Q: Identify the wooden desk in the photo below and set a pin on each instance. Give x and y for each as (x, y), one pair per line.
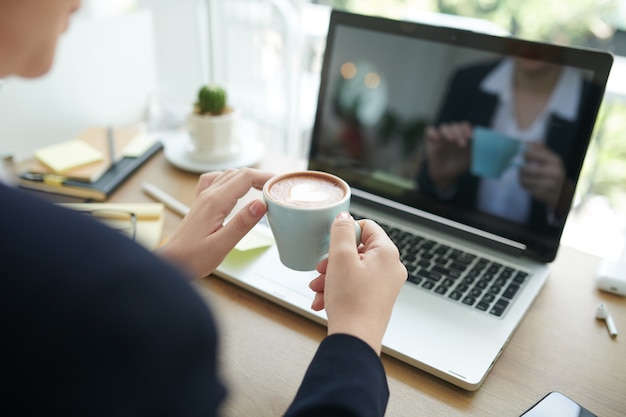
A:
(559, 346)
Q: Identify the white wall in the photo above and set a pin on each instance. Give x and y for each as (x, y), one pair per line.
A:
(103, 74)
(181, 49)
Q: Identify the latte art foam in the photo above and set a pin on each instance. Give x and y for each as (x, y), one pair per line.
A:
(307, 191)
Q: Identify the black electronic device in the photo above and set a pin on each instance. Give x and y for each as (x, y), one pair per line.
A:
(556, 404)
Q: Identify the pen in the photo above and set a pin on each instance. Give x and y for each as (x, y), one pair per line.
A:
(161, 196)
(50, 179)
(111, 143)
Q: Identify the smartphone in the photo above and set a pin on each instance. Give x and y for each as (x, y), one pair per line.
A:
(556, 404)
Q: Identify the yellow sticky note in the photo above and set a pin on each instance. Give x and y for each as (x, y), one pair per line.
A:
(68, 155)
(138, 145)
(255, 239)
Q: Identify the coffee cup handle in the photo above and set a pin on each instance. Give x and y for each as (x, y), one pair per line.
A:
(357, 229)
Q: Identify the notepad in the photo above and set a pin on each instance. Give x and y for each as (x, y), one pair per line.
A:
(67, 155)
(97, 190)
(130, 141)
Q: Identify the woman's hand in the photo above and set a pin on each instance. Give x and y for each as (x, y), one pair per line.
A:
(202, 240)
(448, 152)
(542, 174)
(359, 286)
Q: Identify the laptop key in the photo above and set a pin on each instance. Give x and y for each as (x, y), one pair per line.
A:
(464, 261)
(424, 263)
(462, 287)
(469, 280)
(482, 306)
(476, 293)
(440, 269)
(442, 289)
(442, 249)
(474, 272)
(501, 281)
(428, 285)
(488, 298)
(415, 279)
(507, 273)
(455, 295)
(499, 307)
(447, 282)
(431, 275)
(459, 266)
(483, 283)
(520, 277)
(469, 300)
(510, 291)
(427, 255)
(495, 289)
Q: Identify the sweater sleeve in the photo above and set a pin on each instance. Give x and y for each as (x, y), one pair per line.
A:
(345, 378)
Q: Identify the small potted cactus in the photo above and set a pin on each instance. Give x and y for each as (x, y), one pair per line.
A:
(211, 126)
(211, 100)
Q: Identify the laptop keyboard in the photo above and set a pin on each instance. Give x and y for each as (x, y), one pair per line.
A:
(458, 275)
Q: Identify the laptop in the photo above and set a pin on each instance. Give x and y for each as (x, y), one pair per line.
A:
(478, 250)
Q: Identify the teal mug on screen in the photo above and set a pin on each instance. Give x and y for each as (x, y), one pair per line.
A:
(301, 207)
(492, 152)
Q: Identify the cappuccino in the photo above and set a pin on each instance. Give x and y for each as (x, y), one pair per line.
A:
(301, 207)
(307, 190)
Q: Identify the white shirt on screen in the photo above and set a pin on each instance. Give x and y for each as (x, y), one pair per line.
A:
(505, 196)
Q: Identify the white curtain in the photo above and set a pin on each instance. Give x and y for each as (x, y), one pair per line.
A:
(261, 51)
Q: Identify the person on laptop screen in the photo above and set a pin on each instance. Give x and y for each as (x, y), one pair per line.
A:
(94, 324)
(531, 105)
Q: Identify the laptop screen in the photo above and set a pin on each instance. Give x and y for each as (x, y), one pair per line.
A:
(483, 131)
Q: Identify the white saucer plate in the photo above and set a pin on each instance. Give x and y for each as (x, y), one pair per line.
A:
(176, 150)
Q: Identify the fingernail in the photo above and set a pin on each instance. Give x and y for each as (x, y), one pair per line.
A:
(344, 215)
(257, 208)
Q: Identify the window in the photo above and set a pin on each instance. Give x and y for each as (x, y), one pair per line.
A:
(268, 56)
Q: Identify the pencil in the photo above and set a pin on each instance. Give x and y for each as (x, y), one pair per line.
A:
(169, 201)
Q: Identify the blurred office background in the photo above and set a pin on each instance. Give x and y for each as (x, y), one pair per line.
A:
(126, 61)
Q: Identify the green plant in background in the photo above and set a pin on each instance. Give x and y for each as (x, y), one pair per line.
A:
(578, 22)
(410, 133)
(211, 100)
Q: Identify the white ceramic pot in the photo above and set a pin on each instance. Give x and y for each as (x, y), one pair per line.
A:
(213, 137)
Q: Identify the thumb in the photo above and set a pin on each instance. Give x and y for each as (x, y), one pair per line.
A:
(241, 223)
(343, 236)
